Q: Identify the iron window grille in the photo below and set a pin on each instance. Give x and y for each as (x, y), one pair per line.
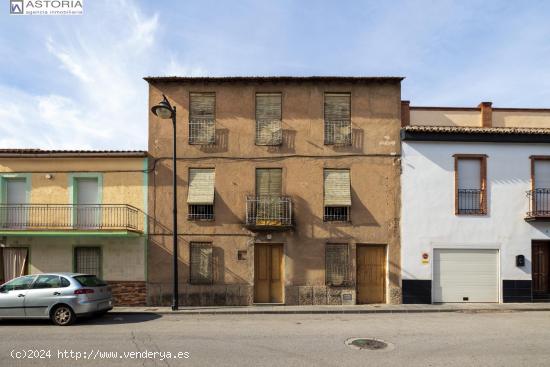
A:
(269, 132)
(200, 212)
(202, 131)
(201, 263)
(338, 132)
(88, 260)
(337, 264)
(337, 214)
(471, 201)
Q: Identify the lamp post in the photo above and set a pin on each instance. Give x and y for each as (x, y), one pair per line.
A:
(165, 110)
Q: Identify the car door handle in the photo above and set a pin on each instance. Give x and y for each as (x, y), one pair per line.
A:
(20, 295)
(56, 293)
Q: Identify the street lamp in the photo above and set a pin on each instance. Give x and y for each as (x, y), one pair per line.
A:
(164, 110)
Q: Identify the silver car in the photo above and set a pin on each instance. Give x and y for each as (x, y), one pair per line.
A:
(61, 297)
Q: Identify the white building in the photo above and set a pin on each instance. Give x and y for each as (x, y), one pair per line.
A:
(475, 217)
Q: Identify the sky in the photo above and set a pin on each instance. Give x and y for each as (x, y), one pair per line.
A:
(76, 82)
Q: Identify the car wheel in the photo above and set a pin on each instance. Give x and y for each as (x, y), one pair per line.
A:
(63, 315)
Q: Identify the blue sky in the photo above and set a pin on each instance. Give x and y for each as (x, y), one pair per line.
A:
(76, 82)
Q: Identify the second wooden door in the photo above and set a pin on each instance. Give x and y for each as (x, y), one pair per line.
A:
(540, 265)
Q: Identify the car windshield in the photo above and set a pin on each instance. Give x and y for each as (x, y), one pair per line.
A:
(90, 281)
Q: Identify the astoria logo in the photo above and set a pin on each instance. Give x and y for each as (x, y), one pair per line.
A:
(46, 7)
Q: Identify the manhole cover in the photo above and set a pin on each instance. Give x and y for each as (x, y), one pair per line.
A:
(368, 343)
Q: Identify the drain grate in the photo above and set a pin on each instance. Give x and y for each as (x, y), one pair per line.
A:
(368, 343)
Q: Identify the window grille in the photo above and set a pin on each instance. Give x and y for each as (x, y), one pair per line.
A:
(200, 263)
(202, 118)
(268, 119)
(336, 214)
(201, 212)
(336, 264)
(88, 260)
(337, 119)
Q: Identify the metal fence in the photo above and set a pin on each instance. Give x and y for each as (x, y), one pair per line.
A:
(539, 203)
(269, 211)
(269, 132)
(471, 201)
(337, 132)
(202, 131)
(69, 217)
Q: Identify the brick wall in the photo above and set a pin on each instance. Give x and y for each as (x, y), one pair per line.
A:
(128, 293)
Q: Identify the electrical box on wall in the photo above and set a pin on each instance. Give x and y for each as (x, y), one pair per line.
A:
(520, 260)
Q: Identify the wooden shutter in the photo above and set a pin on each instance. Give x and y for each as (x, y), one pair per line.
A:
(88, 260)
(337, 106)
(268, 106)
(202, 106)
(201, 186)
(336, 263)
(269, 181)
(337, 187)
(200, 262)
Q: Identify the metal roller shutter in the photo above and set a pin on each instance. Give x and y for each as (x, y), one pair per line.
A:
(465, 275)
(269, 181)
(268, 106)
(201, 186)
(337, 187)
(202, 106)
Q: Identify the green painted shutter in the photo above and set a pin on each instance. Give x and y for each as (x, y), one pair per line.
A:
(269, 181)
(337, 106)
(337, 187)
(202, 106)
(201, 262)
(201, 186)
(268, 106)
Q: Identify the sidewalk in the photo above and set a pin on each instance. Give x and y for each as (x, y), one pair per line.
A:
(275, 309)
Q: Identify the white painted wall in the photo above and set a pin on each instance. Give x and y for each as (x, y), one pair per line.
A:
(427, 213)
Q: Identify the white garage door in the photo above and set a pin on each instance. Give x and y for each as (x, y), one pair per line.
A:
(465, 275)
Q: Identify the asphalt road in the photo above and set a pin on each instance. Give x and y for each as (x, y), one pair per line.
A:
(429, 339)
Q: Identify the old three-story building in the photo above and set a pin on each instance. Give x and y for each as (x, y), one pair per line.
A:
(475, 204)
(81, 211)
(289, 190)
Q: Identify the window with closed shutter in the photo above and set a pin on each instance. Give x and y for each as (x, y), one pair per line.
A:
(200, 263)
(470, 185)
(336, 264)
(202, 117)
(269, 181)
(201, 186)
(337, 187)
(337, 113)
(88, 260)
(268, 119)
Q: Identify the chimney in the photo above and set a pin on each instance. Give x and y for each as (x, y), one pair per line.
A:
(486, 114)
(405, 113)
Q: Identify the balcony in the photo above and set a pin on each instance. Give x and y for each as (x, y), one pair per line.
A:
(471, 202)
(269, 213)
(338, 132)
(70, 218)
(202, 131)
(539, 205)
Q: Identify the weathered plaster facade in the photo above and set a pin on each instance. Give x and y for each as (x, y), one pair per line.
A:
(373, 160)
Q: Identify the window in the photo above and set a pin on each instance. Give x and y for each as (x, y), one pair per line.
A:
(47, 281)
(88, 260)
(337, 195)
(336, 264)
(539, 203)
(268, 119)
(14, 261)
(200, 196)
(337, 119)
(90, 281)
(270, 208)
(200, 263)
(18, 284)
(202, 118)
(470, 185)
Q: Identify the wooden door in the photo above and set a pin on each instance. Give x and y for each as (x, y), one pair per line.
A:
(371, 274)
(540, 263)
(268, 273)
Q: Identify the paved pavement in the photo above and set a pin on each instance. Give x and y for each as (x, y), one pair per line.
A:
(270, 309)
(468, 338)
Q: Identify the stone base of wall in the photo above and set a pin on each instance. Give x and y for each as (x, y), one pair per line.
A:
(201, 295)
(319, 295)
(128, 293)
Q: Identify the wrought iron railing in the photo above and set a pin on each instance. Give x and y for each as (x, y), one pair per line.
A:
(268, 211)
(70, 217)
(471, 201)
(337, 132)
(269, 132)
(539, 203)
(202, 131)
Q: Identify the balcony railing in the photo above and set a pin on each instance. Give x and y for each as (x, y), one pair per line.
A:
(539, 204)
(471, 201)
(40, 217)
(269, 132)
(202, 131)
(270, 212)
(337, 132)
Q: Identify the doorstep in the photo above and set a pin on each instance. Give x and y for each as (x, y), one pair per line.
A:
(352, 309)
